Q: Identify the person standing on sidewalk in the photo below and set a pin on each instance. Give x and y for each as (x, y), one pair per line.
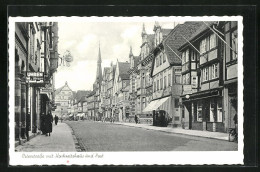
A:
(48, 123)
(56, 118)
(43, 121)
(136, 119)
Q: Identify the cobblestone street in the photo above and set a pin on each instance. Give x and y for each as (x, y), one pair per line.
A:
(98, 136)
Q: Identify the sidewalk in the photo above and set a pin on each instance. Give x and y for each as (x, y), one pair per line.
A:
(61, 140)
(206, 134)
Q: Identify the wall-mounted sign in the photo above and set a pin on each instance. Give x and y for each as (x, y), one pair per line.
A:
(35, 77)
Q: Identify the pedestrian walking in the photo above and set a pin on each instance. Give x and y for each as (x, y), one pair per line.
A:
(56, 118)
(48, 124)
(43, 120)
(136, 119)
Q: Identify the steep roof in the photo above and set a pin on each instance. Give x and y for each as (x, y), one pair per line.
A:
(80, 94)
(123, 69)
(91, 94)
(199, 30)
(175, 39)
(57, 91)
(165, 32)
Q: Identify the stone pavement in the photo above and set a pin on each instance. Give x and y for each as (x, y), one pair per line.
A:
(61, 140)
(206, 134)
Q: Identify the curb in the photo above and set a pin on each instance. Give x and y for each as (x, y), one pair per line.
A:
(78, 143)
(172, 132)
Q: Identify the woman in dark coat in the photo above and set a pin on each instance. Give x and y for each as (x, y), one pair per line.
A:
(48, 124)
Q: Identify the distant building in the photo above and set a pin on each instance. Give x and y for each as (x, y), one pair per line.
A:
(91, 105)
(62, 97)
(121, 106)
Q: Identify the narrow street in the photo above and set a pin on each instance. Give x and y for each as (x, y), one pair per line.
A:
(98, 136)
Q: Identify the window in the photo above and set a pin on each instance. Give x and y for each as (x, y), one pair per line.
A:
(219, 110)
(203, 46)
(161, 83)
(164, 57)
(205, 74)
(169, 80)
(165, 82)
(234, 45)
(187, 56)
(177, 79)
(176, 103)
(157, 64)
(193, 56)
(214, 71)
(188, 78)
(160, 59)
(212, 43)
(199, 111)
(154, 86)
(144, 104)
(183, 57)
(158, 84)
(184, 79)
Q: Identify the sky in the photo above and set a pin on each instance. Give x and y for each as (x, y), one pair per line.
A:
(82, 40)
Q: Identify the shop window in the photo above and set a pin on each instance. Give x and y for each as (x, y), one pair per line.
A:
(219, 112)
(234, 45)
(199, 111)
(212, 110)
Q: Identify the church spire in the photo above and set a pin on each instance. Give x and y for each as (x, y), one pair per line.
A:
(131, 52)
(143, 32)
(99, 53)
(99, 69)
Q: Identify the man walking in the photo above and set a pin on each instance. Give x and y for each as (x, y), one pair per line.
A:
(56, 118)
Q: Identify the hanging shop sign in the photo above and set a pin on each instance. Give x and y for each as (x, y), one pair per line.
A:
(35, 77)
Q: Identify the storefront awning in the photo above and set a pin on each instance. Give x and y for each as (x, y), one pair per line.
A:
(155, 104)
